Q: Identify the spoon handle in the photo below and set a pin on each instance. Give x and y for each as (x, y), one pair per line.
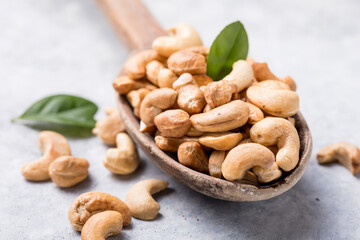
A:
(133, 22)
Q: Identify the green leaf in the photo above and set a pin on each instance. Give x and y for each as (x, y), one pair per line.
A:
(229, 46)
(60, 112)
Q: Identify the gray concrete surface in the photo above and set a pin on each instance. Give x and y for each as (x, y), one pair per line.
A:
(64, 46)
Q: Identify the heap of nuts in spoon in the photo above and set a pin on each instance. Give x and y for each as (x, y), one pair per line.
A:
(239, 128)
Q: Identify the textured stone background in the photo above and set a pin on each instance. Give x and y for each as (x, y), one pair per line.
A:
(64, 46)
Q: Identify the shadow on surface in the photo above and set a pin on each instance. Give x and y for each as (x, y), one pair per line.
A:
(139, 171)
(87, 184)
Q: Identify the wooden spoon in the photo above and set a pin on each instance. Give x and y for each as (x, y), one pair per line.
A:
(132, 20)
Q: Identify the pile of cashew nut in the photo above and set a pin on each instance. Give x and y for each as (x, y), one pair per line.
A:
(239, 128)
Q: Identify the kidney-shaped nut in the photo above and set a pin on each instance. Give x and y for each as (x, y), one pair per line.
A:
(276, 102)
(124, 158)
(182, 36)
(135, 97)
(192, 155)
(280, 132)
(154, 103)
(219, 93)
(193, 132)
(220, 140)
(135, 66)
(216, 160)
(166, 78)
(242, 74)
(123, 85)
(202, 80)
(190, 97)
(173, 123)
(102, 225)
(224, 118)
(255, 114)
(345, 153)
(244, 157)
(52, 145)
(170, 144)
(67, 171)
(267, 175)
(107, 128)
(273, 84)
(187, 61)
(152, 71)
(139, 200)
(90, 203)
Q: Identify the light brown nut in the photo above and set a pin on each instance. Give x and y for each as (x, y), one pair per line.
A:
(345, 153)
(135, 97)
(216, 159)
(292, 121)
(279, 103)
(169, 144)
(193, 132)
(102, 225)
(123, 85)
(273, 84)
(107, 129)
(146, 129)
(135, 66)
(90, 203)
(124, 158)
(221, 140)
(255, 114)
(166, 78)
(289, 81)
(173, 123)
(267, 175)
(280, 132)
(224, 118)
(139, 200)
(219, 93)
(52, 145)
(242, 74)
(152, 71)
(190, 97)
(246, 140)
(186, 61)
(67, 171)
(249, 178)
(182, 36)
(154, 103)
(202, 80)
(193, 156)
(207, 108)
(244, 157)
(262, 72)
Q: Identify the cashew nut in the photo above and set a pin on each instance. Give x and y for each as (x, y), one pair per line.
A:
(193, 156)
(249, 178)
(202, 80)
(124, 158)
(183, 36)
(267, 175)
(221, 140)
(146, 129)
(224, 118)
(244, 157)
(102, 225)
(123, 84)
(107, 129)
(193, 132)
(139, 200)
(280, 132)
(135, 66)
(273, 84)
(135, 97)
(166, 78)
(345, 153)
(242, 74)
(255, 114)
(153, 69)
(154, 103)
(190, 97)
(52, 145)
(173, 123)
(216, 159)
(90, 203)
(187, 61)
(67, 171)
(219, 93)
(170, 144)
(276, 102)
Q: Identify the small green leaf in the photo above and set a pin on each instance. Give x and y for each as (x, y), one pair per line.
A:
(229, 46)
(60, 112)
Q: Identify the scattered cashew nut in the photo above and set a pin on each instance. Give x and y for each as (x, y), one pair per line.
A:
(187, 61)
(123, 85)
(166, 78)
(170, 144)
(192, 155)
(220, 140)
(219, 93)
(242, 74)
(139, 200)
(216, 159)
(52, 145)
(135, 97)
(267, 175)
(173, 123)
(153, 69)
